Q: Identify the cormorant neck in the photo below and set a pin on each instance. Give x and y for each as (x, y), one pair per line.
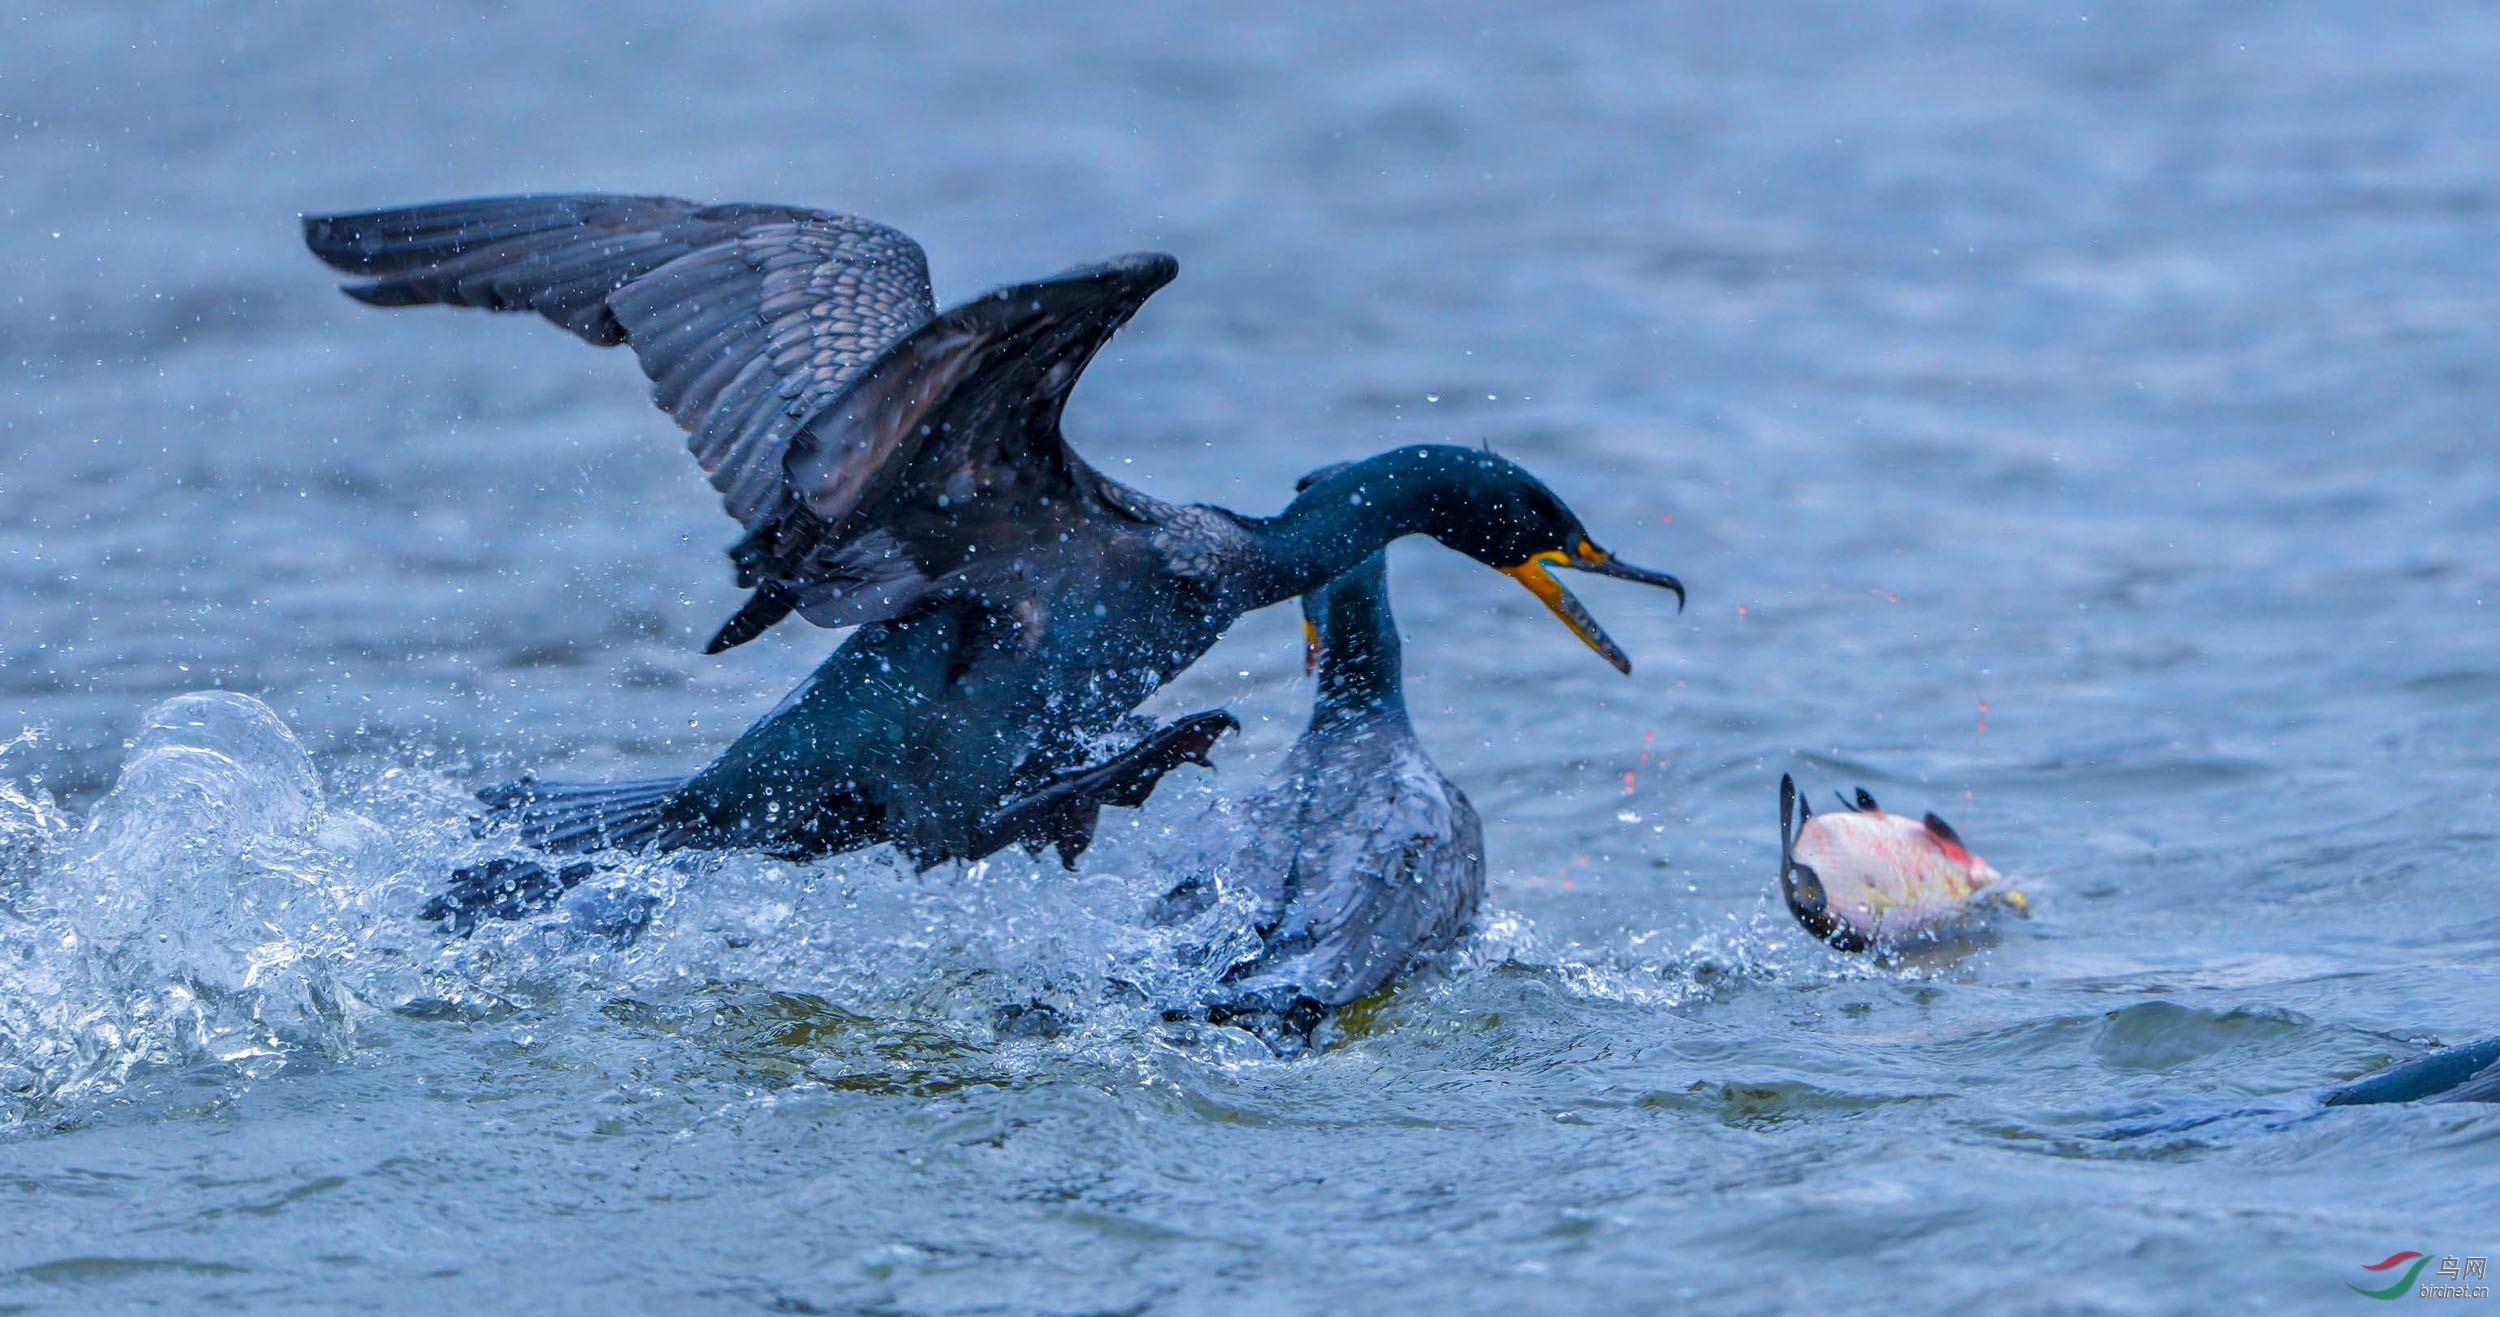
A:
(1352, 514)
(1359, 671)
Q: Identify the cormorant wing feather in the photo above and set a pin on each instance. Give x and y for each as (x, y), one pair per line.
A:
(948, 441)
(966, 408)
(749, 319)
(1389, 866)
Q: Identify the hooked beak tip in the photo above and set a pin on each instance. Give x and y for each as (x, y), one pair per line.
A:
(1598, 562)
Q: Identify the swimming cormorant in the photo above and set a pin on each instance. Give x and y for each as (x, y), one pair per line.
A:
(1355, 860)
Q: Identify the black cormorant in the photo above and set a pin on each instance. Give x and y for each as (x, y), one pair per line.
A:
(902, 469)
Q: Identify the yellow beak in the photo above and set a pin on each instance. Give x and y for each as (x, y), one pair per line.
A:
(1537, 574)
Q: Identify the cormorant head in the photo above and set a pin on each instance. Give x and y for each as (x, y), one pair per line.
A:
(1492, 510)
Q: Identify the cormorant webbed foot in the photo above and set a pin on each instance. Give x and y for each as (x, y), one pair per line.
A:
(514, 888)
(1283, 1018)
(1034, 1019)
(501, 889)
(1062, 812)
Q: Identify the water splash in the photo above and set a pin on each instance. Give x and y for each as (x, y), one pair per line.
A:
(208, 910)
(30, 824)
(218, 908)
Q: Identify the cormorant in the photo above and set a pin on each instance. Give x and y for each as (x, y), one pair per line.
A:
(902, 470)
(1355, 860)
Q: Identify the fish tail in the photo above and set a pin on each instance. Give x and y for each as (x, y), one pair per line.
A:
(582, 816)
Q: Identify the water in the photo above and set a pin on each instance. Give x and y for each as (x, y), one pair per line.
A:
(2127, 369)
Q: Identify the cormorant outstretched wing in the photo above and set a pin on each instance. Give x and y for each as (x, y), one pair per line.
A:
(870, 447)
(749, 319)
(943, 451)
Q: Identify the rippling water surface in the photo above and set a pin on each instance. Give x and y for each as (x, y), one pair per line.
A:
(2130, 376)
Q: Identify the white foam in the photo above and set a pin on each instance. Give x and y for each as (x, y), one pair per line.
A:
(206, 910)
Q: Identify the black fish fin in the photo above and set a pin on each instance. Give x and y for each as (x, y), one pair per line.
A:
(771, 602)
(1800, 886)
(1942, 829)
(1063, 811)
(1788, 839)
(582, 816)
(1866, 802)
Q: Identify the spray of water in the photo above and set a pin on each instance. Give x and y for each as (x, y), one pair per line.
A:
(220, 909)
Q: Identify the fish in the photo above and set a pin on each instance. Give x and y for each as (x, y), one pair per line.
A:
(1867, 879)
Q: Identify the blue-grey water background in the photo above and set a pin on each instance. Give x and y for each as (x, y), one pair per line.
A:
(2131, 370)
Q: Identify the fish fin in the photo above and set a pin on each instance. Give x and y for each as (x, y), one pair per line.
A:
(1788, 839)
(1800, 886)
(581, 816)
(1866, 802)
(1802, 889)
(1942, 829)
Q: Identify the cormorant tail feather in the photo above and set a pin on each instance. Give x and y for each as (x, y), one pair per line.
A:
(566, 817)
